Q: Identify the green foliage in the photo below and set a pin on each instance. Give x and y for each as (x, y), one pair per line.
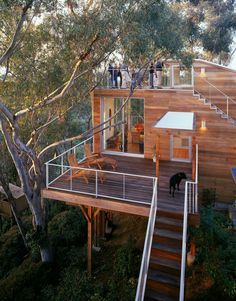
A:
(216, 254)
(127, 262)
(24, 283)
(5, 224)
(68, 227)
(12, 251)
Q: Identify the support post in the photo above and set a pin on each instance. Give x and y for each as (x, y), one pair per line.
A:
(89, 250)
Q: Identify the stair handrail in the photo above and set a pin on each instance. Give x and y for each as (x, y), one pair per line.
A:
(190, 205)
(140, 292)
(210, 84)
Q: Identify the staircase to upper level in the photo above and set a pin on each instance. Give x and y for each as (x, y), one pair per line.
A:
(163, 280)
(213, 106)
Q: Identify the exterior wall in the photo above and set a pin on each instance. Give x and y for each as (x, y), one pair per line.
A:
(217, 147)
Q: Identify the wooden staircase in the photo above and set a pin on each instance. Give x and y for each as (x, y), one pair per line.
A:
(163, 279)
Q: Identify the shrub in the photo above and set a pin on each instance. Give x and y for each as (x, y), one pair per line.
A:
(25, 282)
(68, 227)
(12, 250)
(216, 255)
(127, 261)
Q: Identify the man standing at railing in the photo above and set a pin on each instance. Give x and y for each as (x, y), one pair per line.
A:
(111, 71)
(116, 75)
(159, 66)
(151, 75)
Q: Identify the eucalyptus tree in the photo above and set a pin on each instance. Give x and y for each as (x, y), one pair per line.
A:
(211, 26)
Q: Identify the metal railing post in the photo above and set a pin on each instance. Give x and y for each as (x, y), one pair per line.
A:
(96, 183)
(47, 175)
(62, 164)
(123, 186)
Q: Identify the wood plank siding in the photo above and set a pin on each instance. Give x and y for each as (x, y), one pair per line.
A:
(223, 78)
(217, 147)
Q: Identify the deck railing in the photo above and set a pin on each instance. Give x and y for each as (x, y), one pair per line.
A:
(101, 183)
(190, 206)
(139, 78)
(216, 97)
(147, 247)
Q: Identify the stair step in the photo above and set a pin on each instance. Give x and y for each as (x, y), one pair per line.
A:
(219, 112)
(165, 265)
(168, 233)
(176, 250)
(169, 214)
(169, 223)
(224, 116)
(164, 277)
(160, 251)
(157, 296)
(165, 288)
(213, 107)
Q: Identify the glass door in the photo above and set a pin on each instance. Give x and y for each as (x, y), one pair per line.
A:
(181, 148)
(124, 133)
(181, 76)
(113, 133)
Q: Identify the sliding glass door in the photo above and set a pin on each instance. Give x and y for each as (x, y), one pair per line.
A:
(125, 132)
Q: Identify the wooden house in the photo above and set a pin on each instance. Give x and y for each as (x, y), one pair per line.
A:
(186, 125)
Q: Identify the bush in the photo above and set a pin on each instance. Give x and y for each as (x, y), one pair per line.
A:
(25, 282)
(12, 250)
(216, 255)
(127, 262)
(68, 228)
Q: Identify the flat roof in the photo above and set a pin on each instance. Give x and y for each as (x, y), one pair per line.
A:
(177, 120)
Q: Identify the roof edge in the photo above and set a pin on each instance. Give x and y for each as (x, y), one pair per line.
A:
(214, 64)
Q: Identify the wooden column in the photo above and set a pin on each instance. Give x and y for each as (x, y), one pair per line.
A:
(193, 158)
(157, 155)
(89, 250)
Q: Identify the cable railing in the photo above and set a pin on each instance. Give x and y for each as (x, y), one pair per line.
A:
(60, 175)
(140, 293)
(216, 97)
(190, 206)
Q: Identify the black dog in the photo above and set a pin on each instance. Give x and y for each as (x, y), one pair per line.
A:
(175, 180)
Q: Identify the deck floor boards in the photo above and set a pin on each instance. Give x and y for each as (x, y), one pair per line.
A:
(136, 189)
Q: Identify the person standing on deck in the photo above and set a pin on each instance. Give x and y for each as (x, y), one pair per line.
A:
(151, 75)
(159, 66)
(125, 76)
(116, 75)
(119, 74)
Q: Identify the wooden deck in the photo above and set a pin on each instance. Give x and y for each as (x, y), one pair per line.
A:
(137, 192)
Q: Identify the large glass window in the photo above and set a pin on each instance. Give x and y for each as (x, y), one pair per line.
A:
(125, 133)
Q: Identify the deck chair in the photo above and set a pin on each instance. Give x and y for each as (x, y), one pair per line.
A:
(84, 173)
(97, 158)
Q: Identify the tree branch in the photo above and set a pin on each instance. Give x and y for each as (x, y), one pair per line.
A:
(48, 100)
(13, 44)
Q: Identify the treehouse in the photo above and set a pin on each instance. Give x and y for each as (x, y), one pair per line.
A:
(141, 140)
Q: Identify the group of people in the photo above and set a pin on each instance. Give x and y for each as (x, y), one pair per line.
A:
(121, 77)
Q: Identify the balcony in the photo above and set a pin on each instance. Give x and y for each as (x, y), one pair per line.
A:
(129, 188)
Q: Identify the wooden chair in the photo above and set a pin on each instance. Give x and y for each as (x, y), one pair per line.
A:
(97, 158)
(85, 173)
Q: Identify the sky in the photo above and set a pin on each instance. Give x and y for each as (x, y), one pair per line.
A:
(232, 64)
